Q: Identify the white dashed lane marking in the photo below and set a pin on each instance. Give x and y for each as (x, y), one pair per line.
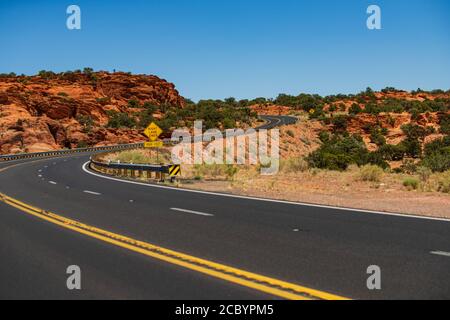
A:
(92, 192)
(193, 212)
(441, 253)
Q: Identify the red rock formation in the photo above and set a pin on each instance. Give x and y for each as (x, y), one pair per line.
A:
(38, 114)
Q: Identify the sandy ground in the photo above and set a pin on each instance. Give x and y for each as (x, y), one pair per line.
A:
(335, 189)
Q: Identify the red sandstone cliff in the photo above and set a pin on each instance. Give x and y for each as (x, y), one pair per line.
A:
(43, 113)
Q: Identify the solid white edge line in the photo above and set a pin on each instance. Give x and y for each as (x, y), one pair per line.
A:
(92, 192)
(441, 253)
(84, 167)
(193, 212)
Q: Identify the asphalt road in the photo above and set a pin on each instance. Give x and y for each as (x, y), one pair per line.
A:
(327, 249)
(275, 121)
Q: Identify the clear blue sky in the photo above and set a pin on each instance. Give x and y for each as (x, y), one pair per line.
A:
(240, 48)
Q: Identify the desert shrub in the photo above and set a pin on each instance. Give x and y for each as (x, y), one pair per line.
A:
(412, 147)
(145, 118)
(444, 182)
(414, 135)
(133, 103)
(438, 162)
(82, 144)
(355, 109)
(46, 74)
(341, 151)
(437, 155)
(103, 100)
(340, 123)
(120, 120)
(231, 171)
(62, 94)
(293, 165)
(370, 173)
(377, 137)
(324, 136)
(411, 183)
(424, 173)
(413, 131)
(444, 122)
(228, 123)
(7, 75)
(150, 107)
(86, 121)
(290, 133)
(303, 101)
(88, 71)
(409, 166)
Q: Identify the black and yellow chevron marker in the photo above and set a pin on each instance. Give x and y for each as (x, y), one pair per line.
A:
(174, 170)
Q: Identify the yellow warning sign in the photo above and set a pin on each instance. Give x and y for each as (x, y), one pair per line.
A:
(153, 144)
(174, 170)
(153, 131)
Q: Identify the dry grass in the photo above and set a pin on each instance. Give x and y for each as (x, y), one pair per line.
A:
(370, 173)
(384, 192)
(144, 156)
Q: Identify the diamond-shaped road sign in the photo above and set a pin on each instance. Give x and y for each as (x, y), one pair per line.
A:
(153, 131)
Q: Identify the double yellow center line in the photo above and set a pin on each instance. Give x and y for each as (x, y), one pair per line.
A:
(241, 277)
(244, 278)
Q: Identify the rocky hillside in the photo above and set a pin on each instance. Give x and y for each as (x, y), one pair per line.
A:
(72, 109)
(360, 114)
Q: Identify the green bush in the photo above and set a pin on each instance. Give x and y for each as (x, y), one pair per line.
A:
(445, 124)
(120, 120)
(444, 182)
(46, 74)
(355, 109)
(390, 152)
(377, 137)
(338, 152)
(437, 155)
(411, 183)
(133, 103)
(82, 144)
(231, 171)
(86, 121)
(340, 123)
(424, 173)
(103, 100)
(290, 133)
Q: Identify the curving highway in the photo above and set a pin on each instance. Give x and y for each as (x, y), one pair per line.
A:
(322, 252)
(275, 121)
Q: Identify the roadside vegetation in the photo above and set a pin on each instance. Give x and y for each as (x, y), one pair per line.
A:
(222, 114)
(140, 156)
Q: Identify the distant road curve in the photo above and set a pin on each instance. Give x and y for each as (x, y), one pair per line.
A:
(276, 121)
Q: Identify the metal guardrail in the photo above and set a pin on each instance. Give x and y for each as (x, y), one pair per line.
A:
(20, 156)
(132, 170)
(130, 166)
